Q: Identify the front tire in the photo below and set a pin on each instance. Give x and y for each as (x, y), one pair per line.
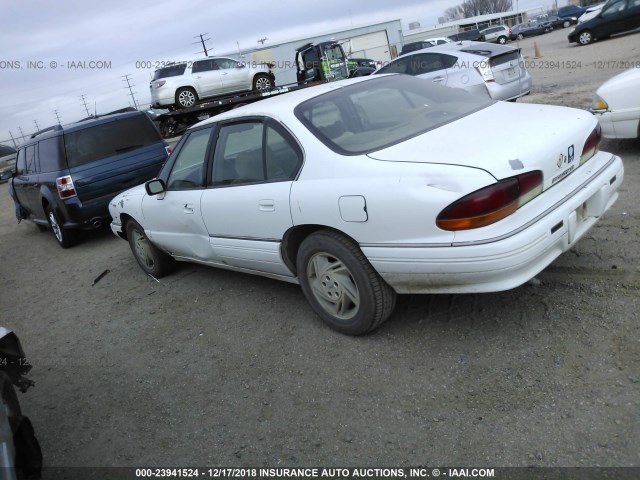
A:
(186, 97)
(585, 38)
(341, 285)
(262, 82)
(66, 238)
(153, 261)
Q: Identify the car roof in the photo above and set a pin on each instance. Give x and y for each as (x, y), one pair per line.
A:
(469, 47)
(287, 102)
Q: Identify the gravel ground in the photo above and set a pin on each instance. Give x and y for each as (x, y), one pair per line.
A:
(215, 368)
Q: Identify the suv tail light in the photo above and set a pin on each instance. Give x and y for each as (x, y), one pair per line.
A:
(159, 83)
(592, 144)
(168, 149)
(491, 204)
(65, 187)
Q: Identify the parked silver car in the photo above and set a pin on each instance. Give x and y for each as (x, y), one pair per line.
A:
(497, 34)
(183, 84)
(487, 69)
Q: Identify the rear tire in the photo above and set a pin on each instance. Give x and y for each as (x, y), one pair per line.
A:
(502, 40)
(520, 36)
(152, 260)
(341, 285)
(66, 238)
(186, 97)
(566, 24)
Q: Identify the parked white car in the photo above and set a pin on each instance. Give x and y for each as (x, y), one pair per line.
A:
(182, 85)
(365, 188)
(487, 69)
(616, 105)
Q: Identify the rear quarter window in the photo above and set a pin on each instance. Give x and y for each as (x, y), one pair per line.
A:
(171, 71)
(108, 139)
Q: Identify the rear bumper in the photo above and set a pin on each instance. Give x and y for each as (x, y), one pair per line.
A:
(508, 261)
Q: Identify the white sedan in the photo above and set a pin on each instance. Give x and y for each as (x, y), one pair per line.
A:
(616, 105)
(365, 188)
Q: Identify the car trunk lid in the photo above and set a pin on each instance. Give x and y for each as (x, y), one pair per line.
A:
(507, 140)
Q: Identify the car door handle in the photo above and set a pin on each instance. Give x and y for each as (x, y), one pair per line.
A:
(438, 79)
(267, 205)
(188, 208)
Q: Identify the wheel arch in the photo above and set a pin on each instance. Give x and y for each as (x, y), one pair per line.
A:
(294, 237)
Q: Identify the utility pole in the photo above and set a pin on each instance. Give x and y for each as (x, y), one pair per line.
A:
(126, 79)
(13, 139)
(202, 40)
(21, 133)
(37, 126)
(55, 112)
(84, 102)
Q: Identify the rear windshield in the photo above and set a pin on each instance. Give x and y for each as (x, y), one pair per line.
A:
(377, 113)
(107, 139)
(171, 71)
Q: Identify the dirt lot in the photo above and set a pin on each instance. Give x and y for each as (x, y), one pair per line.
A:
(214, 368)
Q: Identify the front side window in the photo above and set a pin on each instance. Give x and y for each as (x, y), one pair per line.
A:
(226, 63)
(203, 66)
(614, 7)
(189, 167)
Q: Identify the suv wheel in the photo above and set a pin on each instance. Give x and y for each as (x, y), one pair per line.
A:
(153, 261)
(502, 40)
(186, 97)
(585, 38)
(262, 82)
(66, 238)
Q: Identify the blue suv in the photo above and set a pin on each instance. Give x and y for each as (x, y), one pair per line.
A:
(65, 177)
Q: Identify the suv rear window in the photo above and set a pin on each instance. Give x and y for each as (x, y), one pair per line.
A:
(107, 139)
(171, 71)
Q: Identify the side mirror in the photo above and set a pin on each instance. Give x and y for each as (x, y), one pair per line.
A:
(155, 186)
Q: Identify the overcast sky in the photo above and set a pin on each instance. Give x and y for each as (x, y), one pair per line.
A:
(43, 42)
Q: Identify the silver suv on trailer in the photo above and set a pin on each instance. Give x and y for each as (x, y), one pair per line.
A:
(183, 84)
(498, 34)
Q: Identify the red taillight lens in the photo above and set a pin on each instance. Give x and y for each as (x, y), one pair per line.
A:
(65, 187)
(159, 83)
(491, 204)
(592, 144)
(168, 149)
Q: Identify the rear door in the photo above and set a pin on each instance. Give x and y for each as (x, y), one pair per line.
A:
(234, 76)
(431, 66)
(247, 211)
(206, 78)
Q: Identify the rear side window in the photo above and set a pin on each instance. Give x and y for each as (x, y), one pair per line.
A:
(108, 139)
(171, 71)
(50, 155)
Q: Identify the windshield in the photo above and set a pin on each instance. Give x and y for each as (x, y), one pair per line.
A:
(377, 113)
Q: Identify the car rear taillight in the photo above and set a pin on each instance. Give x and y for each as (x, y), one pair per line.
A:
(159, 83)
(168, 149)
(484, 68)
(491, 204)
(65, 187)
(592, 144)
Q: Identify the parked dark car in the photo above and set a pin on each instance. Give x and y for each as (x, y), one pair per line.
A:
(413, 46)
(617, 16)
(6, 150)
(571, 11)
(528, 29)
(472, 34)
(65, 177)
(554, 21)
